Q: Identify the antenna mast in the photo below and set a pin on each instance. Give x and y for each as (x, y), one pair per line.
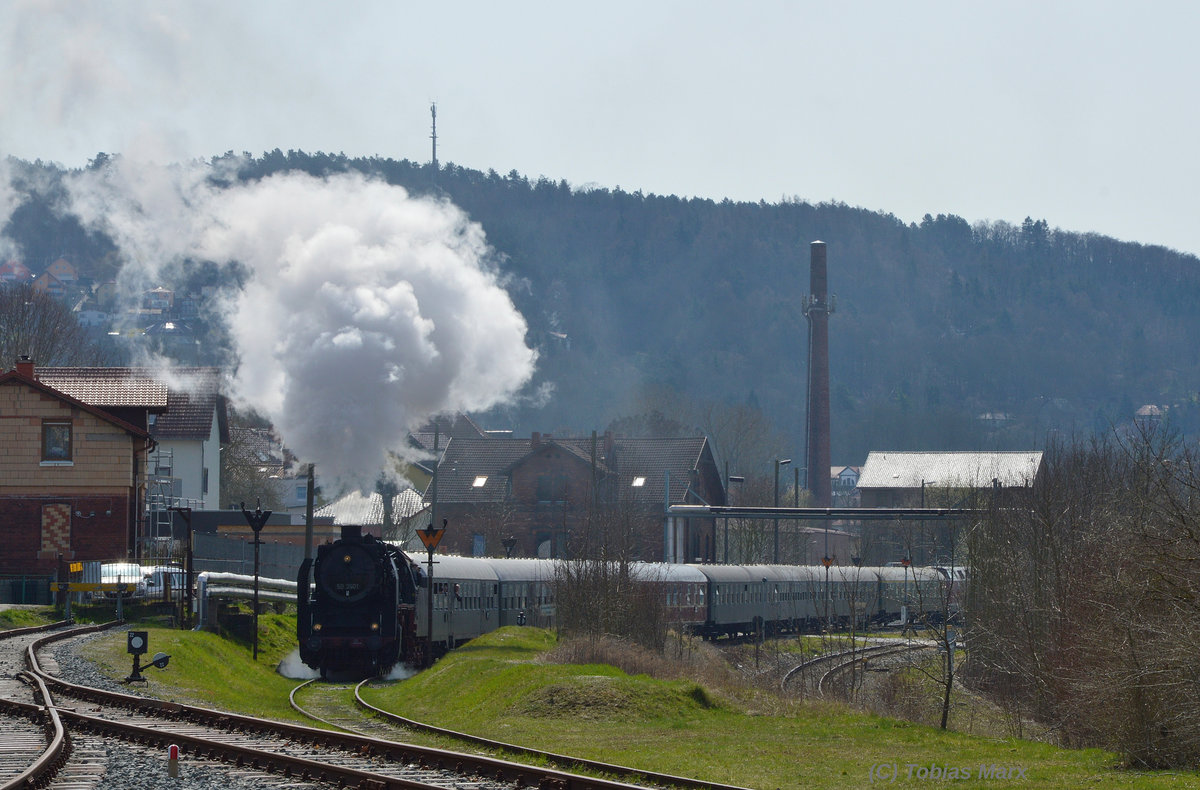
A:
(433, 112)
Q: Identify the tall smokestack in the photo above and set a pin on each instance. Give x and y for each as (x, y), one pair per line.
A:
(817, 310)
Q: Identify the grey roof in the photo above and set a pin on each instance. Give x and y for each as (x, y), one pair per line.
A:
(460, 427)
(464, 460)
(959, 469)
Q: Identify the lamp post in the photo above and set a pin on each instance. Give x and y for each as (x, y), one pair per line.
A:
(778, 463)
(732, 479)
(186, 513)
(256, 520)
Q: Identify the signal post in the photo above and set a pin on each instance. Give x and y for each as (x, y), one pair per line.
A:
(431, 538)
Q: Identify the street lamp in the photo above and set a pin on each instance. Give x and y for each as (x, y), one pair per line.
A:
(778, 463)
(923, 484)
(256, 520)
(732, 479)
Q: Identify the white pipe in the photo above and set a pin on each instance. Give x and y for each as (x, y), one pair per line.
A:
(230, 587)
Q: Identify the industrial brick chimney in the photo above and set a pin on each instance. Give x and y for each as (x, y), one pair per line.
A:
(817, 309)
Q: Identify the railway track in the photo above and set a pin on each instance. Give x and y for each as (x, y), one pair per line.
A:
(831, 677)
(335, 707)
(815, 670)
(302, 756)
(35, 743)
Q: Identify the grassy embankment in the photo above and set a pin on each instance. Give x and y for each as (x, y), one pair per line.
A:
(25, 618)
(509, 686)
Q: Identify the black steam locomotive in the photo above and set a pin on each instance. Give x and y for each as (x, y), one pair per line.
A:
(360, 608)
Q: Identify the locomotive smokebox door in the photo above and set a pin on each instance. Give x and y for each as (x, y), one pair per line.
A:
(137, 642)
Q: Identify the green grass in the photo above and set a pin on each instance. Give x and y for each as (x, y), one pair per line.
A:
(503, 686)
(25, 618)
(499, 687)
(206, 669)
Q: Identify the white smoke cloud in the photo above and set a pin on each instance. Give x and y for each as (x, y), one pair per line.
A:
(8, 202)
(368, 311)
(290, 666)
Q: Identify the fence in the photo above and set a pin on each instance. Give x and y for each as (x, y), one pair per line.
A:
(215, 553)
(235, 555)
(26, 590)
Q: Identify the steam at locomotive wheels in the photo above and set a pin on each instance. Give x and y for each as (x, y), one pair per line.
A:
(367, 606)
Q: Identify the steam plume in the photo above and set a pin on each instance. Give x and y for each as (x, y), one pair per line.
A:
(367, 310)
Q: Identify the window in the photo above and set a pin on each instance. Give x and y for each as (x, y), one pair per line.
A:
(551, 488)
(56, 441)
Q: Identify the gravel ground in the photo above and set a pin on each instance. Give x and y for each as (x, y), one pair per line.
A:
(131, 767)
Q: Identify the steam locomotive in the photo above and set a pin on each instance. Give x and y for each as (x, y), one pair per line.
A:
(368, 604)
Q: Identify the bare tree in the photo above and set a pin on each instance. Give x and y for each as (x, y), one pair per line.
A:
(40, 327)
(601, 590)
(246, 476)
(1084, 604)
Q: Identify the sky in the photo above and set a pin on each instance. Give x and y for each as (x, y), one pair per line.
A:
(1079, 113)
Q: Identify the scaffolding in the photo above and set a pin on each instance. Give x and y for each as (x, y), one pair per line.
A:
(164, 490)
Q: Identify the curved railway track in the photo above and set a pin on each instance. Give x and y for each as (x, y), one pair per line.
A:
(833, 675)
(334, 708)
(840, 662)
(36, 745)
(301, 754)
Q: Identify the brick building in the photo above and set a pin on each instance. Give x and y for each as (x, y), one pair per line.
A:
(69, 477)
(551, 497)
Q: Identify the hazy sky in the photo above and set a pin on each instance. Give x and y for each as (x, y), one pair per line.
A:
(1080, 113)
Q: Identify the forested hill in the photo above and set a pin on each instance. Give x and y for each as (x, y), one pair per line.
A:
(936, 323)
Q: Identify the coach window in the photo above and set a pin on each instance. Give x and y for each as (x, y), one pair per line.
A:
(56, 441)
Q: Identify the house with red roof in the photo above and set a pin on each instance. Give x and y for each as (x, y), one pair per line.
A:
(70, 477)
(15, 272)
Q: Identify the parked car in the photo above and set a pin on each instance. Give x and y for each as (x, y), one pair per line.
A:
(165, 582)
(122, 573)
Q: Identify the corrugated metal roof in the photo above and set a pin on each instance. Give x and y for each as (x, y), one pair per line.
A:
(367, 510)
(889, 469)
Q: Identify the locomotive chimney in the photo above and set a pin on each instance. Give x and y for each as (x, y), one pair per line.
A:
(351, 531)
(817, 310)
